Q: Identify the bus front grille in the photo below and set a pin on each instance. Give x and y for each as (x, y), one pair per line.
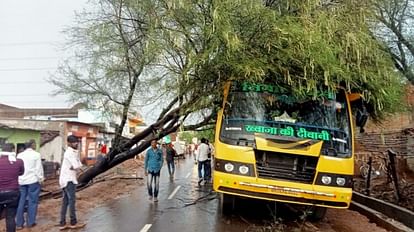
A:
(281, 166)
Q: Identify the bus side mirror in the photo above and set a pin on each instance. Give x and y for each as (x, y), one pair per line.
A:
(361, 116)
(361, 119)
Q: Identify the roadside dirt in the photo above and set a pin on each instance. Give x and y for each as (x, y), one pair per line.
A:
(384, 190)
(336, 220)
(348, 221)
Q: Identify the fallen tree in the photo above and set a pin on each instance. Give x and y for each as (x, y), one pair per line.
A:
(179, 55)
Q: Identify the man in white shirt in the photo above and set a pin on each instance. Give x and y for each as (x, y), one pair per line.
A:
(202, 159)
(68, 181)
(207, 177)
(29, 184)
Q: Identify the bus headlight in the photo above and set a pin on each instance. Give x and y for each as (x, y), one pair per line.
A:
(229, 167)
(234, 167)
(340, 181)
(334, 180)
(326, 180)
(243, 169)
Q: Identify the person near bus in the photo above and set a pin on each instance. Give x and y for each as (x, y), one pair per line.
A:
(202, 159)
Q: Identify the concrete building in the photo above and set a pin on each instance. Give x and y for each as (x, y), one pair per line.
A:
(7, 111)
(55, 132)
(92, 126)
(18, 136)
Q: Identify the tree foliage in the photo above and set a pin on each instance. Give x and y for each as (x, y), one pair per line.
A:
(188, 136)
(394, 28)
(182, 52)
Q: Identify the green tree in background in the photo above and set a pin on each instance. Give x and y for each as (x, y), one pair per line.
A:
(394, 27)
(187, 136)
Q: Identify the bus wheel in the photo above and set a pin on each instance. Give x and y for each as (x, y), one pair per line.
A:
(317, 213)
(227, 203)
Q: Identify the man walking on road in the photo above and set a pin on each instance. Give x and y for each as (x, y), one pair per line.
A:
(169, 157)
(208, 162)
(152, 166)
(68, 181)
(29, 184)
(202, 159)
(10, 169)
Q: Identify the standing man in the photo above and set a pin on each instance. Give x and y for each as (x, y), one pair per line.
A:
(152, 165)
(202, 159)
(208, 162)
(29, 184)
(170, 154)
(10, 169)
(68, 181)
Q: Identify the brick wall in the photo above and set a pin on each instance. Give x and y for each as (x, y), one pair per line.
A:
(396, 133)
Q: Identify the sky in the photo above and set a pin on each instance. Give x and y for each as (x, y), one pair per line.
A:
(31, 42)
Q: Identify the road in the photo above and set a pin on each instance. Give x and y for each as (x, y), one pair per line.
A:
(185, 206)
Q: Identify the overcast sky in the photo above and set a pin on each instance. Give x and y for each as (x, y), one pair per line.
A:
(30, 49)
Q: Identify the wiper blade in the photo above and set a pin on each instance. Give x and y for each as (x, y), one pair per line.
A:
(339, 140)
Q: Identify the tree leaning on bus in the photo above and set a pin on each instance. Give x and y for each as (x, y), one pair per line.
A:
(308, 45)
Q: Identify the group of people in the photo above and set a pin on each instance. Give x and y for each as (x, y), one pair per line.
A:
(154, 160)
(21, 177)
(20, 183)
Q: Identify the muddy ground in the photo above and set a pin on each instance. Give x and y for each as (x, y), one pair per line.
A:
(86, 200)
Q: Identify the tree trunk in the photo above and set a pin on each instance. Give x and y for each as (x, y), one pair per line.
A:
(127, 151)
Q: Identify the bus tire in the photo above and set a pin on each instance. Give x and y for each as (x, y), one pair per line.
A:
(317, 214)
(227, 203)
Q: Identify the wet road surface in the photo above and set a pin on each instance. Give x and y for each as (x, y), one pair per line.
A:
(185, 206)
(182, 205)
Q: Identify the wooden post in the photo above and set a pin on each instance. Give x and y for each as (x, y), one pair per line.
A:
(391, 155)
(368, 183)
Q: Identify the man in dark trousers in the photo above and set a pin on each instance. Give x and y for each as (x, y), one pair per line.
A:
(71, 164)
(152, 166)
(10, 170)
(170, 154)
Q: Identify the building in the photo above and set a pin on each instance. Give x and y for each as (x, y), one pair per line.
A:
(88, 133)
(52, 136)
(18, 136)
(92, 126)
(7, 111)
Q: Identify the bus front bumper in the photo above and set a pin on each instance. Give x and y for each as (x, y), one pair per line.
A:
(283, 191)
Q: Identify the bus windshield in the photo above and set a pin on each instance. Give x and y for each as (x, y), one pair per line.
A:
(272, 110)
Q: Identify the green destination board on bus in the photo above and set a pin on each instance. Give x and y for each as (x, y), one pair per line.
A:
(289, 131)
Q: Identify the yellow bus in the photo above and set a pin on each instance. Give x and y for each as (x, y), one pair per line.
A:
(272, 145)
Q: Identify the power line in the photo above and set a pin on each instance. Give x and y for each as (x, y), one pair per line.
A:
(23, 82)
(32, 58)
(25, 95)
(13, 103)
(30, 43)
(26, 69)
